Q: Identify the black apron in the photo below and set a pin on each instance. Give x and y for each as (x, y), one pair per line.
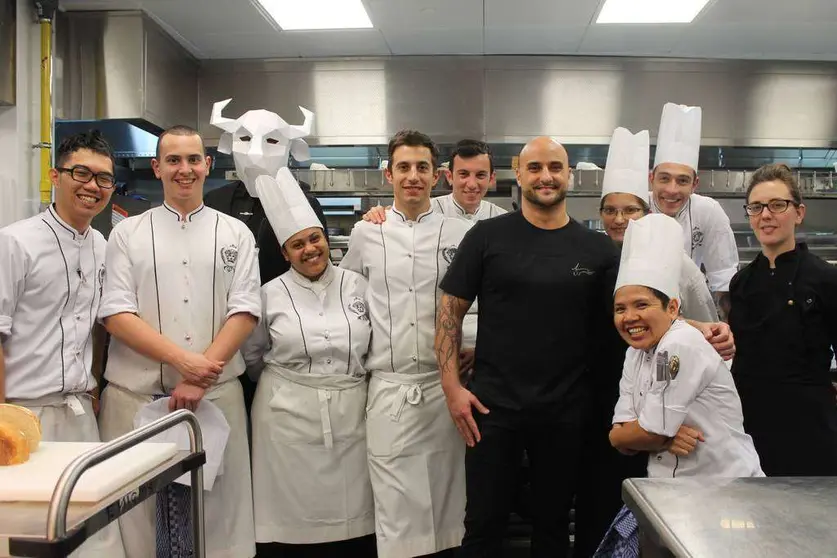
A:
(781, 367)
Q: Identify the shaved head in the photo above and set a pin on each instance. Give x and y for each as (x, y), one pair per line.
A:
(541, 145)
(543, 172)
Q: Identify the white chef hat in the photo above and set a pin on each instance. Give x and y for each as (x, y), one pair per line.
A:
(285, 205)
(626, 171)
(678, 140)
(652, 254)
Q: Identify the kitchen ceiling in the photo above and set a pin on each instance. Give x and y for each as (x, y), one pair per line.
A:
(747, 29)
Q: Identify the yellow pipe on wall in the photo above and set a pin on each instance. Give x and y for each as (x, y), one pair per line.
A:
(46, 111)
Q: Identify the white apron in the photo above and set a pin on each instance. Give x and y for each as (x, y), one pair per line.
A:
(228, 512)
(69, 418)
(310, 474)
(416, 464)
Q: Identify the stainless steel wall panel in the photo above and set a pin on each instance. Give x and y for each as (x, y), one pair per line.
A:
(512, 99)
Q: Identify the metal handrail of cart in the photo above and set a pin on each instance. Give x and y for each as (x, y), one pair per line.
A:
(60, 542)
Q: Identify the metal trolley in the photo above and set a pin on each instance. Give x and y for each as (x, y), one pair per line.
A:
(56, 529)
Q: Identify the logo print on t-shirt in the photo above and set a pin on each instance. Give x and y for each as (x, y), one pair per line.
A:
(578, 270)
(229, 256)
(448, 253)
(359, 308)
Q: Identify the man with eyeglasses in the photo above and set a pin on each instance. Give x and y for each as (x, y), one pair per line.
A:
(52, 267)
(708, 237)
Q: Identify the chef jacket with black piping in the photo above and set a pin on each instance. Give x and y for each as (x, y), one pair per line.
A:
(50, 286)
(184, 278)
(404, 261)
(449, 207)
(701, 394)
(708, 239)
(312, 327)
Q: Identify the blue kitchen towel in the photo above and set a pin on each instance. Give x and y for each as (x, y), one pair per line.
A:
(622, 538)
(174, 521)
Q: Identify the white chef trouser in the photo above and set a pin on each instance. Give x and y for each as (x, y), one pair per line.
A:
(228, 507)
(60, 423)
(416, 464)
(310, 475)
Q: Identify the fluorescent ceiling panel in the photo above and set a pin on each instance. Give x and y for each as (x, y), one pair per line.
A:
(650, 11)
(296, 15)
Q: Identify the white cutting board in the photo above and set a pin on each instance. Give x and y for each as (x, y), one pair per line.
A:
(35, 480)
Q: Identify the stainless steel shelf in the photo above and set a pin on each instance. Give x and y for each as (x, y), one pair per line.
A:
(57, 528)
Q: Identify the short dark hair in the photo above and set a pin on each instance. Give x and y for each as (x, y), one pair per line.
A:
(92, 140)
(469, 148)
(179, 130)
(660, 295)
(779, 172)
(413, 138)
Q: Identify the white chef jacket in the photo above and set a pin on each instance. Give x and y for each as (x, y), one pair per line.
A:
(184, 279)
(312, 327)
(50, 285)
(696, 302)
(449, 207)
(708, 239)
(701, 395)
(404, 262)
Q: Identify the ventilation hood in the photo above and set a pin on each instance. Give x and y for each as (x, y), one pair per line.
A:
(121, 73)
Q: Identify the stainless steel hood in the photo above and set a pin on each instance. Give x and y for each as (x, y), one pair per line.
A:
(122, 66)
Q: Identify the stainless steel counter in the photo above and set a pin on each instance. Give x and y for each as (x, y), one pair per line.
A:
(740, 518)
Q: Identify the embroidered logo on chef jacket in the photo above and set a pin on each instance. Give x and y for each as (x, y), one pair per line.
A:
(674, 366)
(578, 270)
(101, 278)
(229, 255)
(449, 252)
(358, 307)
(697, 238)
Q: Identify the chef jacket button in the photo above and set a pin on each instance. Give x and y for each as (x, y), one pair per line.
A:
(790, 303)
(78, 318)
(409, 255)
(411, 289)
(328, 361)
(187, 337)
(185, 300)
(326, 335)
(412, 324)
(320, 313)
(185, 261)
(809, 301)
(659, 458)
(415, 358)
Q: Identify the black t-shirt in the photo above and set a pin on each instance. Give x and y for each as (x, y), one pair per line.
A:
(546, 338)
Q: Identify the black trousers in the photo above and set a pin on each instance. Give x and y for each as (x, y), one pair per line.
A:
(361, 547)
(492, 468)
(599, 495)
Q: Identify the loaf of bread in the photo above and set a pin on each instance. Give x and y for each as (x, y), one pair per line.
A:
(14, 449)
(20, 434)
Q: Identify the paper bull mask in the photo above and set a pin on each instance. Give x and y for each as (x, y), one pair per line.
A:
(260, 142)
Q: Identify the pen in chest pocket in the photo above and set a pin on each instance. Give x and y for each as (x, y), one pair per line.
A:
(663, 375)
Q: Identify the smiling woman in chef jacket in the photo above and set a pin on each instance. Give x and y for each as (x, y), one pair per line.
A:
(677, 399)
(625, 198)
(310, 474)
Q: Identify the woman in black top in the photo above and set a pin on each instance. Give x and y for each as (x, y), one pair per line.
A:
(784, 317)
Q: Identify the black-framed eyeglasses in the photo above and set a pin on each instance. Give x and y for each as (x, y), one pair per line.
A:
(82, 174)
(773, 206)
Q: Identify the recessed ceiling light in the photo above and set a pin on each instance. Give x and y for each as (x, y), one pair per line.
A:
(296, 15)
(650, 11)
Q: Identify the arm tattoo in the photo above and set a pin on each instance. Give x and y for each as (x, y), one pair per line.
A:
(452, 310)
